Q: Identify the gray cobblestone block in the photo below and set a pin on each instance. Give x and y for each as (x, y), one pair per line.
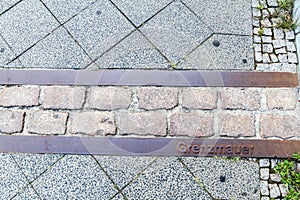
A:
(266, 39)
(151, 98)
(272, 3)
(264, 190)
(19, 96)
(283, 58)
(274, 58)
(287, 67)
(290, 35)
(258, 57)
(256, 31)
(267, 31)
(143, 123)
(262, 67)
(240, 98)
(199, 98)
(268, 24)
(255, 3)
(264, 162)
(274, 190)
(265, 198)
(257, 39)
(280, 51)
(290, 46)
(278, 34)
(275, 177)
(266, 58)
(267, 48)
(257, 47)
(92, 123)
(109, 98)
(235, 124)
(256, 23)
(264, 173)
(292, 57)
(279, 43)
(282, 98)
(11, 121)
(265, 13)
(283, 189)
(191, 124)
(63, 97)
(46, 122)
(283, 126)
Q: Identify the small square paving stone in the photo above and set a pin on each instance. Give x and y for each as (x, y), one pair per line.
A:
(99, 27)
(57, 50)
(176, 31)
(33, 165)
(27, 193)
(74, 177)
(25, 24)
(226, 179)
(167, 178)
(138, 11)
(64, 10)
(11, 178)
(223, 16)
(133, 52)
(222, 52)
(6, 55)
(124, 169)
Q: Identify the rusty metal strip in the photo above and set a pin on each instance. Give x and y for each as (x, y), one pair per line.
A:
(148, 78)
(149, 146)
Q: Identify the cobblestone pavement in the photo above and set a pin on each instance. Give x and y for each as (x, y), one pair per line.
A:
(146, 34)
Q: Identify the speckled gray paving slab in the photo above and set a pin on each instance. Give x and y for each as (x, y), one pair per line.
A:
(6, 54)
(99, 27)
(138, 11)
(226, 179)
(11, 178)
(58, 50)
(222, 52)
(64, 10)
(176, 31)
(167, 178)
(223, 16)
(134, 52)
(75, 177)
(27, 193)
(6, 4)
(123, 169)
(33, 165)
(25, 24)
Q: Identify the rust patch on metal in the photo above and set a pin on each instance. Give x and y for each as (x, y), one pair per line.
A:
(149, 146)
(148, 78)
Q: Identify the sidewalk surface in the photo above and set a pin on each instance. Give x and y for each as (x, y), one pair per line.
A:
(143, 34)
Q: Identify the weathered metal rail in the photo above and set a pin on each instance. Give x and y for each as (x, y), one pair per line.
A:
(148, 78)
(149, 146)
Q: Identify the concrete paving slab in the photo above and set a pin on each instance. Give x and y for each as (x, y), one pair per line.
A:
(33, 165)
(11, 178)
(6, 4)
(64, 10)
(25, 24)
(169, 180)
(58, 50)
(229, 52)
(123, 169)
(27, 193)
(134, 52)
(224, 17)
(226, 179)
(99, 27)
(176, 31)
(6, 54)
(139, 11)
(75, 177)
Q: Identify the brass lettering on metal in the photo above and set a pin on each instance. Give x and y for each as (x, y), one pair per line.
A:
(215, 149)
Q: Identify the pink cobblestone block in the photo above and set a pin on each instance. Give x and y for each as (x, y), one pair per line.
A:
(191, 124)
(151, 98)
(199, 98)
(283, 98)
(239, 98)
(143, 123)
(283, 126)
(19, 96)
(11, 121)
